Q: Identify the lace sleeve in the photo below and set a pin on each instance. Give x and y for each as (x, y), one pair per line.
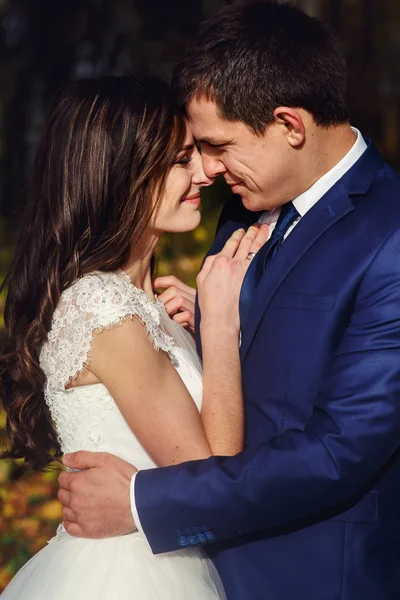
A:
(96, 302)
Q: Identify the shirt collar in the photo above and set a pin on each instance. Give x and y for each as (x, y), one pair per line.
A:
(307, 199)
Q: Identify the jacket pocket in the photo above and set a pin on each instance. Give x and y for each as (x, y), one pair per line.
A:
(302, 301)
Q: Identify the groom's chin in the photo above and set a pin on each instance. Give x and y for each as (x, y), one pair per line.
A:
(250, 201)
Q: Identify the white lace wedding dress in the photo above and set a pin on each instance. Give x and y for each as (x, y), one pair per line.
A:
(118, 568)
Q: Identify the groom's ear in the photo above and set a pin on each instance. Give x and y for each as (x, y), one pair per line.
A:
(293, 120)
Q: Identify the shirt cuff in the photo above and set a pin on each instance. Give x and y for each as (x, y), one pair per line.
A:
(134, 510)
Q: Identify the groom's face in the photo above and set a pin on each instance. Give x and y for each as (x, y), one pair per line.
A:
(257, 167)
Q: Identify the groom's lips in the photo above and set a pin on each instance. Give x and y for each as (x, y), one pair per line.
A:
(236, 186)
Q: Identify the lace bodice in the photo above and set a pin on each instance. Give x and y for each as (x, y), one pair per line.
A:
(87, 417)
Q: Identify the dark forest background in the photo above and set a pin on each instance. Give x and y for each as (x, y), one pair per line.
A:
(44, 43)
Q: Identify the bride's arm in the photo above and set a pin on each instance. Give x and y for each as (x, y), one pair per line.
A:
(149, 392)
(222, 409)
(219, 285)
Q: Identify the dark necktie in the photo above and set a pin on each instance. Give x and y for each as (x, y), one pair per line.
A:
(255, 271)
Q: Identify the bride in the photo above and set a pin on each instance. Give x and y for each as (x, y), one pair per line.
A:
(93, 361)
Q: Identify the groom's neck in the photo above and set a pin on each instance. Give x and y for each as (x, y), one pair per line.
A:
(324, 148)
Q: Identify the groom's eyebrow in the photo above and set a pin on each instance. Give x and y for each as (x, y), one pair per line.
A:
(213, 142)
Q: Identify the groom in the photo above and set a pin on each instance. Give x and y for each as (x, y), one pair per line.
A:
(310, 510)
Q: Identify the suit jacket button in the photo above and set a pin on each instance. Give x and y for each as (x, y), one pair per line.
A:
(209, 536)
(183, 541)
(196, 530)
(193, 540)
(188, 531)
(202, 538)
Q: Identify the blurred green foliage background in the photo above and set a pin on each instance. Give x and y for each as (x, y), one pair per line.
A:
(44, 43)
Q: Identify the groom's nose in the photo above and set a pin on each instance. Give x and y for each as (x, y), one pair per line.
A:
(212, 165)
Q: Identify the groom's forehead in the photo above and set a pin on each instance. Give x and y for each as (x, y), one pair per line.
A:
(206, 122)
(203, 111)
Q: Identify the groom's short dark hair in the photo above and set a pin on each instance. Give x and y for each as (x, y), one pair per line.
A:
(252, 58)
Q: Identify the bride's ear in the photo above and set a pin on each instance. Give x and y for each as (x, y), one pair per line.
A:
(293, 122)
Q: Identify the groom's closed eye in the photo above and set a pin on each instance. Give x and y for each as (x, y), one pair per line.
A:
(212, 149)
(217, 145)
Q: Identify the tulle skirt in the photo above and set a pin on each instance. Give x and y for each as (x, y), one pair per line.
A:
(119, 568)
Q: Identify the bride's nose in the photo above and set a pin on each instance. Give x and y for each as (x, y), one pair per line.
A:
(199, 177)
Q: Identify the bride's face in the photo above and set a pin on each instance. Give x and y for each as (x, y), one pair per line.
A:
(178, 208)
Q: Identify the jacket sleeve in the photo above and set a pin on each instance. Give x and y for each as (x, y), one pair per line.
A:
(354, 430)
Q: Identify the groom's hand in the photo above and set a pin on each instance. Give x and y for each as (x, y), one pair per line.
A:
(96, 500)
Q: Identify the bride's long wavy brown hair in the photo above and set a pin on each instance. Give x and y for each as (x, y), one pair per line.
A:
(106, 149)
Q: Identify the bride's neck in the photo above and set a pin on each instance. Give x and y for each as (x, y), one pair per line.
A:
(138, 265)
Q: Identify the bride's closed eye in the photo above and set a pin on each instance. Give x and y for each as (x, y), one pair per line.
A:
(185, 155)
(185, 160)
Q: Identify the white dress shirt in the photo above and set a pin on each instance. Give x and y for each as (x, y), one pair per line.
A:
(303, 203)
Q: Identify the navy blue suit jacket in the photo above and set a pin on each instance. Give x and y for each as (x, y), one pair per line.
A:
(310, 510)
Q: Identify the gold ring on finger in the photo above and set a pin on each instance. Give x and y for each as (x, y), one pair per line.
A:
(250, 255)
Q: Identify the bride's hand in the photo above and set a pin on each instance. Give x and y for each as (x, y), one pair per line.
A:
(220, 280)
(178, 299)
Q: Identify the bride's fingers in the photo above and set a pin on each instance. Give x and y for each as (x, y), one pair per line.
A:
(229, 251)
(258, 242)
(178, 304)
(260, 239)
(170, 281)
(206, 268)
(247, 242)
(233, 243)
(185, 318)
(174, 292)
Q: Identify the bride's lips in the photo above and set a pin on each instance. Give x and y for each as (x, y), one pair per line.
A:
(195, 199)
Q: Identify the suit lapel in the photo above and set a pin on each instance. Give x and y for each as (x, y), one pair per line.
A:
(328, 211)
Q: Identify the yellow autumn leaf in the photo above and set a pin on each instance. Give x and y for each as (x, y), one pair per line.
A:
(2, 418)
(5, 578)
(50, 510)
(29, 526)
(39, 489)
(9, 510)
(200, 235)
(4, 471)
(185, 264)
